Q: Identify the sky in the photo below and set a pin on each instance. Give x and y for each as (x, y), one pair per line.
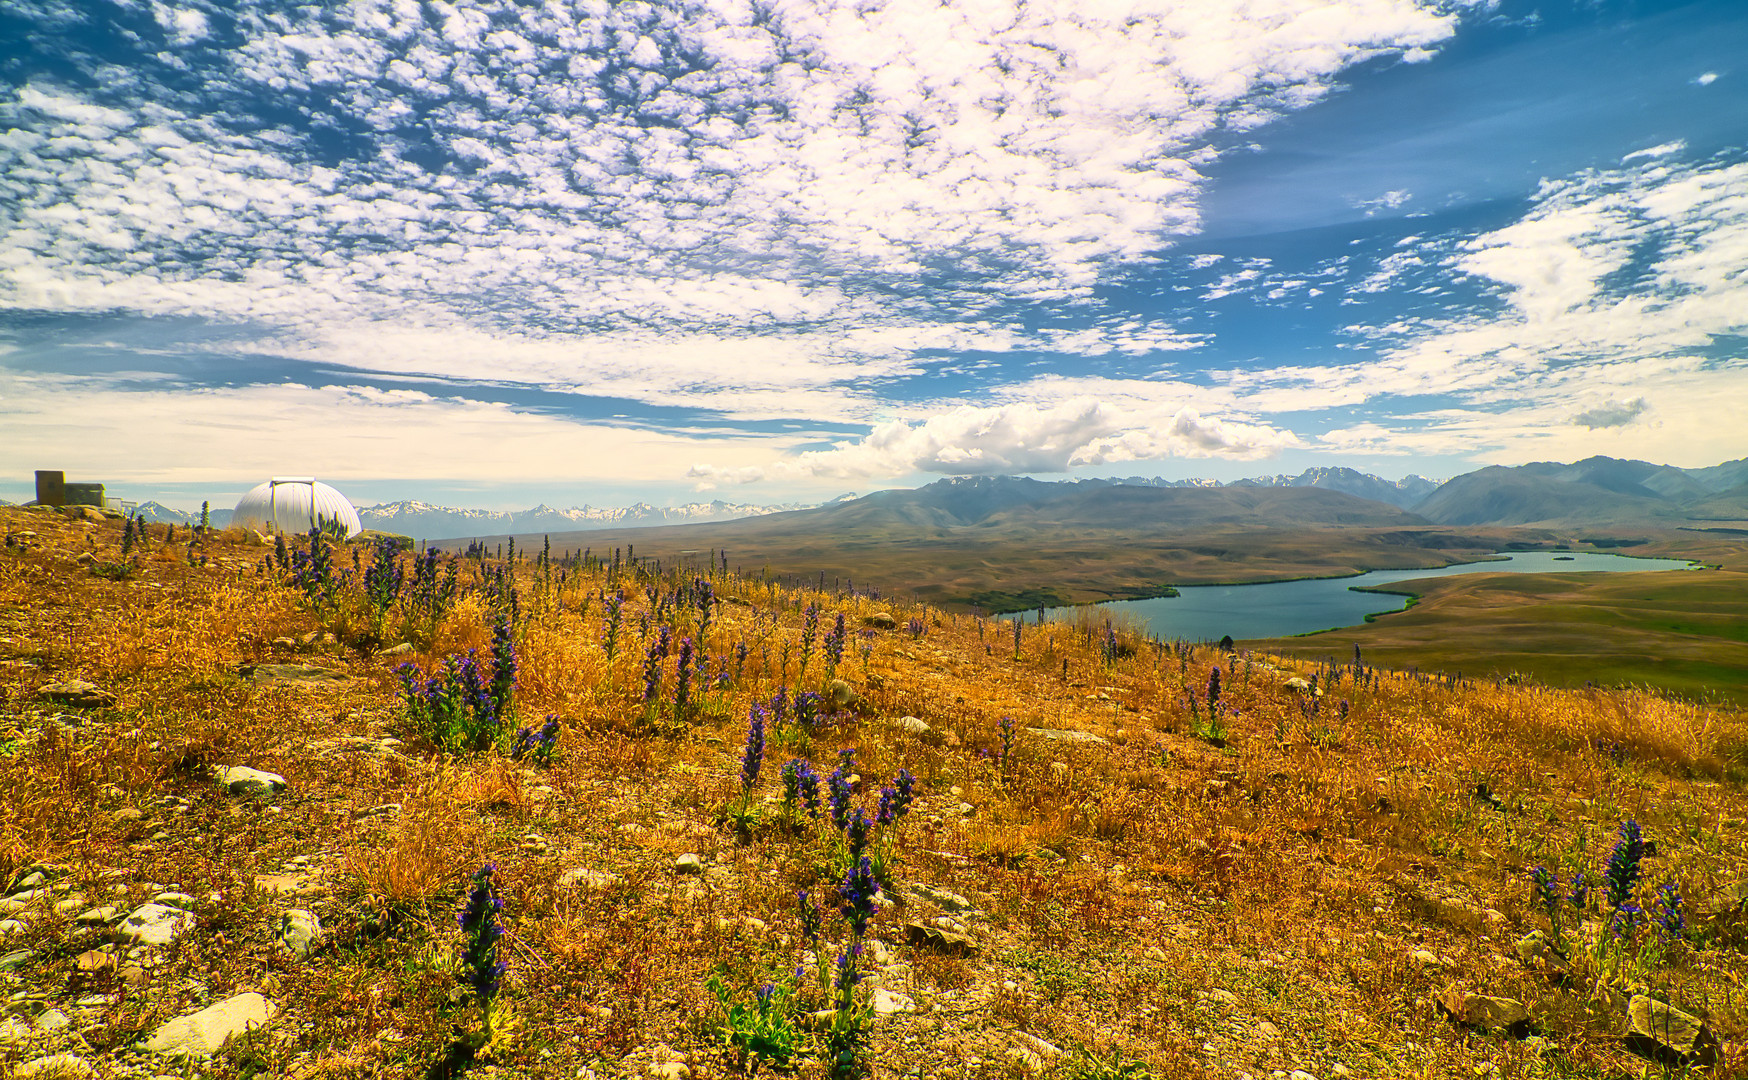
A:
(498, 253)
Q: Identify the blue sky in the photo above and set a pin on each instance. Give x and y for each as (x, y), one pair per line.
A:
(490, 254)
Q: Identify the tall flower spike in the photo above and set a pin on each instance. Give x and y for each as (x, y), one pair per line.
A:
(754, 755)
(1622, 872)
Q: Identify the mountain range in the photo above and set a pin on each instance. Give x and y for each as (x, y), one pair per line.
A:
(1594, 492)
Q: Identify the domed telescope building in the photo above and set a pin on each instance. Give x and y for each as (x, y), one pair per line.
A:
(296, 504)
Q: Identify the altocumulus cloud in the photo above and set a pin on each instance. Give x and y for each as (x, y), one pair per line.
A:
(764, 204)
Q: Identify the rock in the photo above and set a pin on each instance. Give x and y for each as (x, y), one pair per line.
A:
(941, 898)
(77, 693)
(1663, 1033)
(16, 959)
(1424, 957)
(97, 916)
(840, 695)
(300, 931)
(8, 927)
(582, 876)
(156, 924)
(1044, 1050)
(291, 675)
(886, 1003)
(1056, 735)
(1535, 951)
(204, 1033)
(1484, 1013)
(1296, 683)
(912, 725)
(924, 936)
(671, 1070)
(405, 648)
(175, 899)
(1223, 996)
(52, 1021)
(127, 815)
(688, 864)
(93, 961)
(55, 1067)
(239, 780)
(880, 620)
(33, 879)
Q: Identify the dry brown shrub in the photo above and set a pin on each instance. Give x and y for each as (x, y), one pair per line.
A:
(436, 843)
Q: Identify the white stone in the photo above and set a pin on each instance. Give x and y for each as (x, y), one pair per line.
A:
(300, 931)
(204, 1033)
(239, 780)
(156, 924)
(688, 864)
(886, 1003)
(55, 1067)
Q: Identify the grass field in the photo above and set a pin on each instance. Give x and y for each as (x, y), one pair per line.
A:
(1104, 873)
(1686, 632)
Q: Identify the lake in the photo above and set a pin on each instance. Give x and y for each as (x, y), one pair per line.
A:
(1288, 608)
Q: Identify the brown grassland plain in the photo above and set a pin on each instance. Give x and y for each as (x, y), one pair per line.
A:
(1135, 898)
(1684, 632)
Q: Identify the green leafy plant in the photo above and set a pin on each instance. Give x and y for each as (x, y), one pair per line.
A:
(760, 1030)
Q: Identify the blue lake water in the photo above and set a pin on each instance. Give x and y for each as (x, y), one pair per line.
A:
(1286, 608)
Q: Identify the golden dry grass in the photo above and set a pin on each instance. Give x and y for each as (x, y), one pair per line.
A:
(1116, 881)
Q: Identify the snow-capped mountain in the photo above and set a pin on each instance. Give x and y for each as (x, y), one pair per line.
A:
(425, 521)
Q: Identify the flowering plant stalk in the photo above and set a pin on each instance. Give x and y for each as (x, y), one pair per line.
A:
(481, 970)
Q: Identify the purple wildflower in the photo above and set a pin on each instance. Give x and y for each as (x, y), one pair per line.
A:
(754, 755)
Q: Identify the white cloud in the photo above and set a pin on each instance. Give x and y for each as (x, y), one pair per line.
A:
(337, 432)
(1660, 150)
(1707, 79)
(1030, 438)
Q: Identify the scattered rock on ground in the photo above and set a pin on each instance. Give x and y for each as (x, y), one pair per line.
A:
(1661, 1032)
(156, 924)
(688, 864)
(77, 693)
(923, 936)
(55, 1067)
(880, 620)
(241, 780)
(300, 931)
(1485, 1013)
(291, 675)
(583, 877)
(204, 1033)
(841, 695)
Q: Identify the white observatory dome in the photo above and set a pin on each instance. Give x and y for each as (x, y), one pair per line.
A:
(295, 504)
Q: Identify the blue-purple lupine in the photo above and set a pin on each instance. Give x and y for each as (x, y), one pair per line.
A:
(1547, 886)
(809, 627)
(895, 800)
(1579, 894)
(806, 708)
(857, 892)
(838, 788)
(1213, 689)
(382, 579)
(706, 594)
(652, 664)
(536, 745)
(455, 706)
(480, 967)
(834, 646)
(1007, 744)
(754, 755)
(856, 833)
(615, 605)
(503, 669)
(1622, 872)
(1671, 924)
(683, 677)
(780, 706)
(801, 786)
